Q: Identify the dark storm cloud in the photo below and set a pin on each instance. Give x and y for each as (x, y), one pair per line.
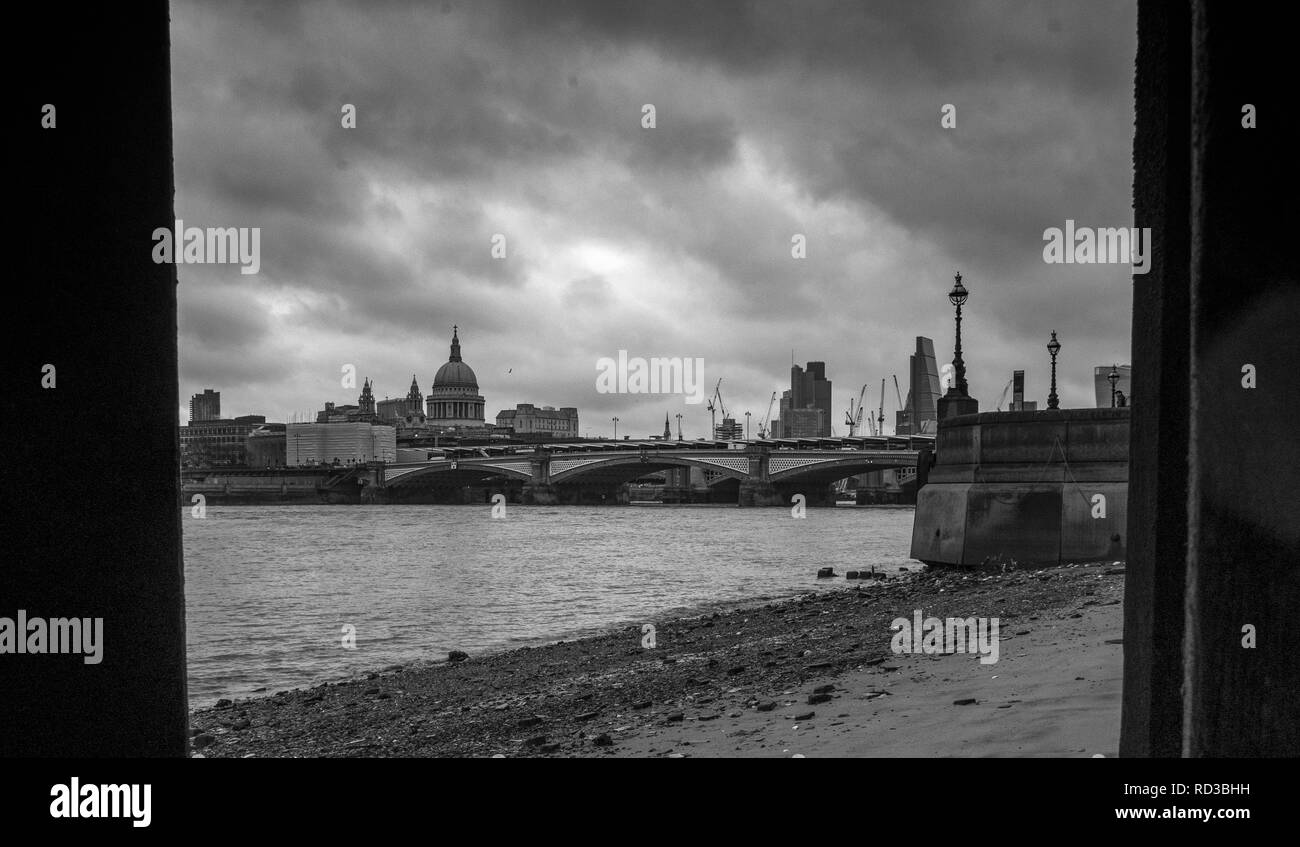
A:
(685, 145)
(215, 319)
(523, 118)
(1024, 146)
(929, 41)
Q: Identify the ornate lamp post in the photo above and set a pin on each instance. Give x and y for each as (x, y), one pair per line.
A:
(615, 420)
(957, 297)
(679, 426)
(1053, 347)
(1113, 377)
(957, 401)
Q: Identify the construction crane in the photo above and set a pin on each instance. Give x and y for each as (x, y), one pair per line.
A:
(882, 408)
(713, 418)
(853, 420)
(762, 425)
(729, 430)
(1005, 389)
(901, 406)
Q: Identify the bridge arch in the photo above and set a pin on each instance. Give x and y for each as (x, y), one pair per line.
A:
(464, 471)
(636, 465)
(829, 470)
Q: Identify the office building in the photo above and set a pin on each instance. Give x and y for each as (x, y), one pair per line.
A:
(526, 418)
(205, 406)
(1018, 401)
(809, 390)
(264, 447)
(920, 414)
(218, 443)
(344, 443)
(805, 423)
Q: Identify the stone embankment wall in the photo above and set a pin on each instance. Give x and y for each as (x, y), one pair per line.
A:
(1040, 487)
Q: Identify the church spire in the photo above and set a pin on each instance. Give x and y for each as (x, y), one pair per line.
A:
(668, 432)
(455, 345)
(366, 402)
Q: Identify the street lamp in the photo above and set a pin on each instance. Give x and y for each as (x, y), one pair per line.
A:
(957, 297)
(615, 420)
(1113, 377)
(1053, 347)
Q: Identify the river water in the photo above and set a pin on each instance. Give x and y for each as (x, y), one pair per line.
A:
(270, 589)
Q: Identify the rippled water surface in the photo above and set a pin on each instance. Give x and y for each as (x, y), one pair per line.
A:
(269, 589)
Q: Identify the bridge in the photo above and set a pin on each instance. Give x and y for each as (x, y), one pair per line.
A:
(765, 472)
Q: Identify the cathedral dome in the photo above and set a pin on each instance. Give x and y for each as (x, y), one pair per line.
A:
(453, 399)
(455, 374)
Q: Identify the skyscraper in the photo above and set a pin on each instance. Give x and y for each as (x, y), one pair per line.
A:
(1018, 401)
(205, 406)
(809, 390)
(920, 414)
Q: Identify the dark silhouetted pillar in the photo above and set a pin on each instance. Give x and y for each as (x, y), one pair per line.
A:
(92, 488)
(1243, 558)
(1210, 665)
(1157, 505)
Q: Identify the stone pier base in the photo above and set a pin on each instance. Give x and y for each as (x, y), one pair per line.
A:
(540, 494)
(763, 493)
(1036, 487)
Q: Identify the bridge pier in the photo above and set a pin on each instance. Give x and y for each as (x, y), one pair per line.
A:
(754, 492)
(575, 494)
(539, 494)
(814, 495)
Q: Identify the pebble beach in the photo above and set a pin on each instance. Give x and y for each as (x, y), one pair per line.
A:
(809, 675)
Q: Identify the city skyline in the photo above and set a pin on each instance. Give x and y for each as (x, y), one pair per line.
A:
(892, 412)
(772, 122)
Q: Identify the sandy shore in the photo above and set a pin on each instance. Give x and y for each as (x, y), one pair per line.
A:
(739, 683)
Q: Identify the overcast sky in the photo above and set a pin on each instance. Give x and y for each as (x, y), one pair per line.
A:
(525, 119)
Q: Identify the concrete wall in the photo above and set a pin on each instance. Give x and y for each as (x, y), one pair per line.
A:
(1021, 485)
